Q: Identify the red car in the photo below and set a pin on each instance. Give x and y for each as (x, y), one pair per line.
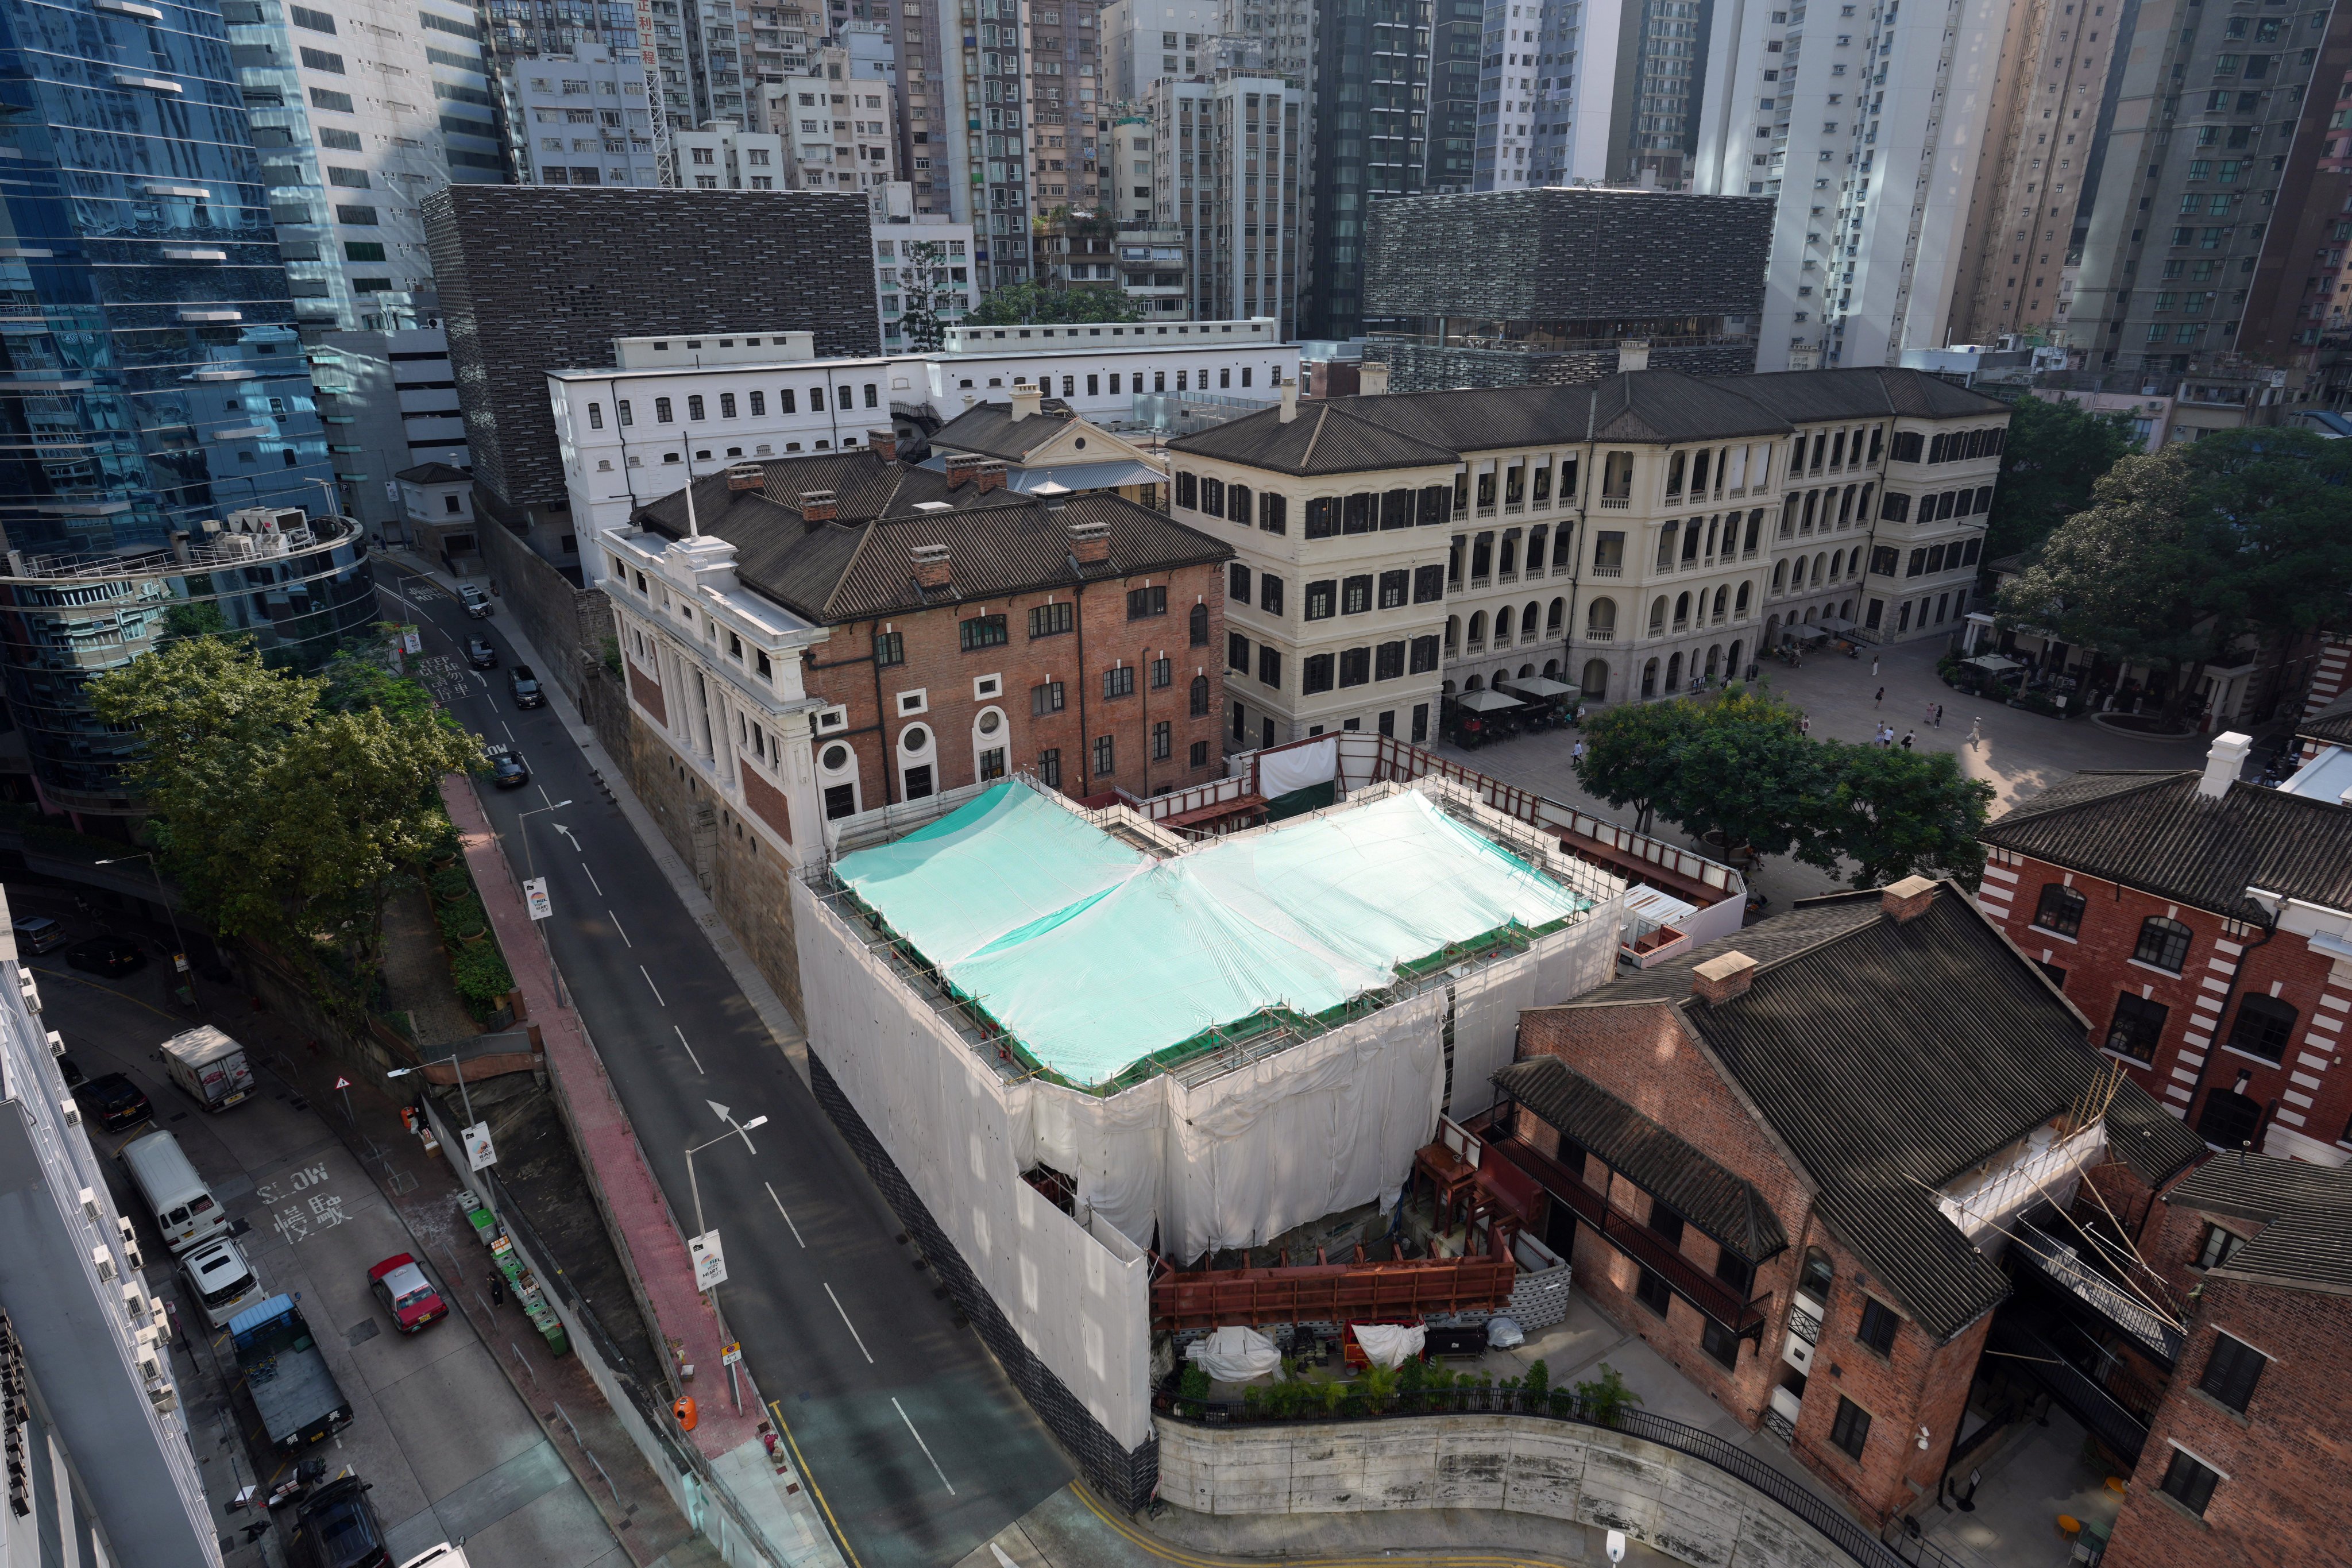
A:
(401, 1285)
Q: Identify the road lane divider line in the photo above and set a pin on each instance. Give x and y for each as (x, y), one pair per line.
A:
(649, 981)
(786, 1213)
(591, 882)
(617, 926)
(689, 1050)
(926, 1447)
(852, 1327)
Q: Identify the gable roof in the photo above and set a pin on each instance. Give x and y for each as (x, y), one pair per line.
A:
(1718, 1200)
(990, 431)
(2331, 726)
(2156, 832)
(1410, 429)
(1827, 1044)
(435, 474)
(861, 563)
(2305, 1210)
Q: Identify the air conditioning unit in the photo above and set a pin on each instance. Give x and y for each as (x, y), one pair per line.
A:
(31, 992)
(134, 1304)
(161, 1318)
(73, 1114)
(91, 1208)
(104, 1261)
(151, 1365)
(57, 1044)
(164, 1397)
(130, 1242)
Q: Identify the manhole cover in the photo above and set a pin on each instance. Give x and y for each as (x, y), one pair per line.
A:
(360, 1334)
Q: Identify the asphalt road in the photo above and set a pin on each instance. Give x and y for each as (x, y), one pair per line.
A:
(919, 1448)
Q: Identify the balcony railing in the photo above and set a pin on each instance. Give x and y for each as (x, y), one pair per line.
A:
(1601, 634)
(2064, 1266)
(1608, 570)
(1616, 503)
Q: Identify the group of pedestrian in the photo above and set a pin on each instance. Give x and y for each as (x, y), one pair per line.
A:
(1885, 739)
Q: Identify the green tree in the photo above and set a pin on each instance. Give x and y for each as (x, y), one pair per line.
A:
(926, 270)
(361, 677)
(1036, 304)
(2272, 506)
(1746, 775)
(1631, 755)
(1896, 814)
(281, 817)
(2054, 452)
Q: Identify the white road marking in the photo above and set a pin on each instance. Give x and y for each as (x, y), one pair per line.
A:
(483, 679)
(508, 729)
(543, 795)
(782, 1210)
(649, 981)
(690, 1049)
(853, 1333)
(591, 880)
(926, 1447)
(617, 926)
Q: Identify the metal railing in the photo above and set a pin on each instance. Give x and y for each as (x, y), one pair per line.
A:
(1840, 1528)
(2064, 1267)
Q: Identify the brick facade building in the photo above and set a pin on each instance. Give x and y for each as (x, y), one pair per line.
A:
(2244, 1463)
(2205, 926)
(1761, 1164)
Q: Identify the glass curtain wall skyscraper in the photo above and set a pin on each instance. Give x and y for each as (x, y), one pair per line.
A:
(1369, 111)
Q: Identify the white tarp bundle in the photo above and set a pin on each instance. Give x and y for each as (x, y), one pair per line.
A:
(1234, 1354)
(1296, 768)
(1389, 1344)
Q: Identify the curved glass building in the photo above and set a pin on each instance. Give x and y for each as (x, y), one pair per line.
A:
(301, 586)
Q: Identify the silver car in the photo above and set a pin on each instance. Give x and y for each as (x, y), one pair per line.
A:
(221, 1281)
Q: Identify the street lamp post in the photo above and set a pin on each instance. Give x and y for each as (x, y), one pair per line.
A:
(530, 861)
(464, 1097)
(694, 1187)
(179, 943)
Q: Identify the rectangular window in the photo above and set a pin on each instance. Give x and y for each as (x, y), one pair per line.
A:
(316, 21)
(1321, 599)
(889, 648)
(1396, 509)
(980, 631)
(1851, 1430)
(1237, 652)
(1322, 517)
(759, 405)
(1734, 1270)
(1142, 603)
(2219, 1247)
(1388, 662)
(1269, 667)
(365, 217)
(1876, 1329)
(1045, 698)
(1163, 741)
(1315, 673)
(1049, 767)
(2139, 1024)
(1721, 1344)
(321, 60)
(1652, 1292)
(1104, 765)
(1424, 654)
(1428, 585)
(1200, 755)
(1393, 587)
(992, 764)
(840, 801)
(2189, 1483)
(1355, 515)
(1118, 682)
(1269, 594)
(1355, 665)
(1356, 595)
(727, 405)
(1274, 513)
(326, 98)
(1188, 492)
(1213, 497)
(2232, 1371)
(1049, 620)
(1666, 1223)
(1163, 674)
(694, 409)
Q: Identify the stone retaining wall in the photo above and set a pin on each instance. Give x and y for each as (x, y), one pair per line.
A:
(1670, 1501)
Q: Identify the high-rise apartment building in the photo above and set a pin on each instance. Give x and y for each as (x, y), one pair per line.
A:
(578, 117)
(1144, 41)
(1866, 121)
(93, 1439)
(1225, 166)
(1367, 113)
(155, 376)
(1457, 58)
(721, 157)
(838, 131)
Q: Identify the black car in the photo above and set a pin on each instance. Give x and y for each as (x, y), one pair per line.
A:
(337, 1527)
(507, 769)
(113, 1102)
(75, 1076)
(525, 687)
(107, 955)
(480, 654)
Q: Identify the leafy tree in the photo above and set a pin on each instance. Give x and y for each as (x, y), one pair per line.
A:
(1632, 756)
(281, 815)
(1035, 304)
(2054, 452)
(1896, 814)
(925, 269)
(1747, 775)
(363, 678)
(2272, 505)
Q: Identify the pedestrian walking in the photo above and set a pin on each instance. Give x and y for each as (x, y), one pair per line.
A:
(1976, 731)
(1940, 715)
(1906, 739)
(1874, 667)
(1880, 699)
(1576, 752)
(1804, 724)
(1930, 716)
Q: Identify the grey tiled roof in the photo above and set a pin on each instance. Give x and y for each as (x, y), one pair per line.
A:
(1891, 1058)
(2155, 832)
(1351, 434)
(1718, 1200)
(861, 563)
(2305, 1210)
(2331, 725)
(435, 474)
(990, 429)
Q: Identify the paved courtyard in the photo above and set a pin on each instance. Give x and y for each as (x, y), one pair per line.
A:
(2021, 755)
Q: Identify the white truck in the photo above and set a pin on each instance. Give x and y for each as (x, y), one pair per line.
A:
(209, 1066)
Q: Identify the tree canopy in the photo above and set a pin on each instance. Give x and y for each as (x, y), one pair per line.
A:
(1038, 304)
(283, 804)
(2055, 453)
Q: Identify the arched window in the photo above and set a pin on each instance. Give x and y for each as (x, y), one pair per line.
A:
(1821, 569)
(1675, 673)
(1200, 626)
(1475, 683)
(1837, 565)
(1779, 576)
(1552, 619)
(2265, 1026)
(1731, 669)
(1815, 1279)
(1714, 660)
(1682, 611)
(1527, 620)
(1601, 615)
(1478, 628)
(1453, 633)
(1596, 679)
(2163, 942)
(1722, 598)
(1658, 617)
(1510, 562)
(2060, 910)
(1797, 575)
(1200, 695)
(1237, 503)
(1650, 674)
(1502, 626)
(1739, 605)
(1666, 546)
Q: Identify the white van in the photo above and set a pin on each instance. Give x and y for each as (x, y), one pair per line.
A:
(184, 1207)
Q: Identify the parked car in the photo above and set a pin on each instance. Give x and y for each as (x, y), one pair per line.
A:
(399, 1283)
(524, 685)
(220, 1279)
(480, 654)
(478, 604)
(338, 1528)
(507, 769)
(113, 1102)
(75, 1076)
(38, 934)
(107, 955)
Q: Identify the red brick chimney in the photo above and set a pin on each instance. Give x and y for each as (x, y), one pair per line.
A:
(818, 505)
(746, 477)
(988, 475)
(883, 444)
(932, 569)
(1906, 900)
(1718, 979)
(962, 466)
(1090, 543)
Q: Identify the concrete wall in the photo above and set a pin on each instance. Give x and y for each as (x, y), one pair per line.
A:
(567, 624)
(1680, 1506)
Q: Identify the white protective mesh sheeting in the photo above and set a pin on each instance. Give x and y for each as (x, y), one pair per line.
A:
(1300, 767)
(1081, 1304)
(1486, 1005)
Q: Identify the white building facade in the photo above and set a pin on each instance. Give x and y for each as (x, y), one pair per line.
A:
(921, 258)
(721, 157)
(579, 118)
(1868, 121)
(839, 131)
(1226, 175)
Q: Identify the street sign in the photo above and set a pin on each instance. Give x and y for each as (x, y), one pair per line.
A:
(410, 640)
(731, 1352)
(710, 1262)
(180, 961)
(342, 1083)
(534, 893)
(479, 1154)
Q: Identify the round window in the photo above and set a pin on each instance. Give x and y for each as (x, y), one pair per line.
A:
(914, 738)
(835, 758)
(1080, 443)
(990, 721)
